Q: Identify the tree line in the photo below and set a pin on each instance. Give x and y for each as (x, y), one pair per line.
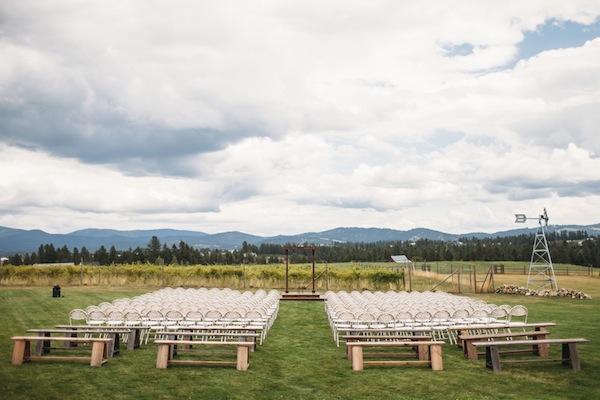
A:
(574, 247)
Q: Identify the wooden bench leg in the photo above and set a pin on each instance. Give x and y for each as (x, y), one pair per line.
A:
(492, 356)
(357, 358)
(116, 343)
(470, 350)
(542, 349)
(66, 343)
(133, 341)
(21, 352)
(423, 352)
(460, 343)
(242, 358)
(173, 350)
(162, 358)
(570, 355)
(435, 352)
(349, 350)
(112, 346)
(247, 339)
(99, 354)
(42, 346)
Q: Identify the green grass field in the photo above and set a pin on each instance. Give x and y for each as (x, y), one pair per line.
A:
(298, 360)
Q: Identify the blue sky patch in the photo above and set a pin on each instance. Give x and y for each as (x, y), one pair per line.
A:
(454, 50)
(556, 34)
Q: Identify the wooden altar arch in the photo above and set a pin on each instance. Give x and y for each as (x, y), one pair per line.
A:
(287, 263)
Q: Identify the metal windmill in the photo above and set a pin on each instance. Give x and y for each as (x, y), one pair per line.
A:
(541, 272)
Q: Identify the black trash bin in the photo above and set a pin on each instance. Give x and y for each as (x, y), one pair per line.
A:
(56, 291)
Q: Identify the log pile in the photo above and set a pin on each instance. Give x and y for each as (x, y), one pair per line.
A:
(514, 289)
(568, 293)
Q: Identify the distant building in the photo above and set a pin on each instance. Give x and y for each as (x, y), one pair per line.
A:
(53, 264)
(402, 259)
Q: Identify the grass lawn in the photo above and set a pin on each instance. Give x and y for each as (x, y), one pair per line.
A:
(299, 359)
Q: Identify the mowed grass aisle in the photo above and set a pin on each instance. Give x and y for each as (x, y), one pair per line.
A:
(299, 360)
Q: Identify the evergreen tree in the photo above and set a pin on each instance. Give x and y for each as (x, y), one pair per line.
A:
(153, 249)
(63, 255)
(113, 255)
(101, 256)
(76, 256)
(15, 260)
(85, 254)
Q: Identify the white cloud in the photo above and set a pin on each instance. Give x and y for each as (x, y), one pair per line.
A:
(43, 185)
(280, 117)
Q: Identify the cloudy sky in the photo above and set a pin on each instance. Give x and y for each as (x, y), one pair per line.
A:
(280, 117)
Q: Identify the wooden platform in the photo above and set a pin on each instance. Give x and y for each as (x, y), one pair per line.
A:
(302, 296)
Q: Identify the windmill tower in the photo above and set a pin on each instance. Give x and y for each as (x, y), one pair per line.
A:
(541, 272)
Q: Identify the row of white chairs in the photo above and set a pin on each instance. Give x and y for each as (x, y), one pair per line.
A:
(403, 311)
(191, 298)
(171, 309)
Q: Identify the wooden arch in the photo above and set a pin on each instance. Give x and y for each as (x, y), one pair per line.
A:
(287, 263)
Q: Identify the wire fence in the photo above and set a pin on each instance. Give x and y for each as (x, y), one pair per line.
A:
(501, 268)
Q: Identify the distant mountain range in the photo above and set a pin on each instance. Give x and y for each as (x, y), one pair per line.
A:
(13, 241)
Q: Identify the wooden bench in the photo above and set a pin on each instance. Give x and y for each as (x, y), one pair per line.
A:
(470, 351)
(22, 349)
(261, 331)
(384, 338)
(429, 353)
(569, 351)
(114, 346)
(134, 333)
(224, 336)
(464, 329)
(165, 354)
(400, 331)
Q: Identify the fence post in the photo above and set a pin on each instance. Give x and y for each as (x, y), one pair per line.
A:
(474, 277)
(409, 278)
(326, 276)
(470, 277)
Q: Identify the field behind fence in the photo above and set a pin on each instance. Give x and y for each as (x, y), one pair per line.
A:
(330, 277)
(453, 277)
